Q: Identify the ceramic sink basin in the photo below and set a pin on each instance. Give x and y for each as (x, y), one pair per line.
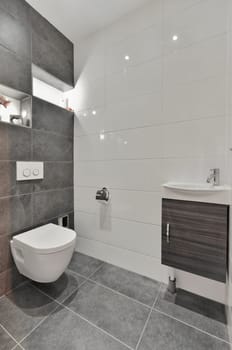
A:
(194, 187)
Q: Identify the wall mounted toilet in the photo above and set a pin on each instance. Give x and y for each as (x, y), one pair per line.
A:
(43, 254)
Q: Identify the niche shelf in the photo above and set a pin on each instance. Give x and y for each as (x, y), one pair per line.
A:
(19, 110)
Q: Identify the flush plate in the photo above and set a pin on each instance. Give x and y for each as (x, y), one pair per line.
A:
(29, 171)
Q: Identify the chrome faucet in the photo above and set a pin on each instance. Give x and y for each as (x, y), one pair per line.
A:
(214, 177)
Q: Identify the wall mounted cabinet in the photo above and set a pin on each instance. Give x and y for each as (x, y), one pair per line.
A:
(194, 237)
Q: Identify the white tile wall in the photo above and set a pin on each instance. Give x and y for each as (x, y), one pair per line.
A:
(193, 24)
(159, 116)
(124, 204)
(229, 156)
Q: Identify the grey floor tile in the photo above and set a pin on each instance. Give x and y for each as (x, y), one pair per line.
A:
(84, 264)
(63, 287)
(66, 331)
(164, 333)
(131, 284)
(6, 342)
(197, 311)
(23, 308)
(116, 314)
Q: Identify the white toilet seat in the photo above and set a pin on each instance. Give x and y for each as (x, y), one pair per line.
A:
(43, 254)
(46, 239)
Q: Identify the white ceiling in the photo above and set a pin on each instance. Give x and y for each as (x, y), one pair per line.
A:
(79, 18)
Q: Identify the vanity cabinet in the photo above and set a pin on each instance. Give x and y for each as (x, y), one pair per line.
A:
(195, 237)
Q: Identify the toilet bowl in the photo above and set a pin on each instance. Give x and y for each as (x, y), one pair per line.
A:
(43, 254)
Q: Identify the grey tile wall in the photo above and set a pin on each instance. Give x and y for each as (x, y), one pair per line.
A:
(49, 117)
(51, 204)
(47, 39)
(17, 37)
(15, 72)
(15, 45)
(48, 146)
(17, 8)
(28, 204)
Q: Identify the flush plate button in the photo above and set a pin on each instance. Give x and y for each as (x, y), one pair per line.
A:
(26, 172)
(29, 171)
(36, 172)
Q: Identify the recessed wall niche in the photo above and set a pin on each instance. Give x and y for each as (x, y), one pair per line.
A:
(15, 107)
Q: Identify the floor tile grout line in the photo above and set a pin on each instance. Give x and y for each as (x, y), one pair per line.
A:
(18, 345)
(116, 292)
(41, 321)
(83, 276)
(156, 300)
(95, 326)
(15, 288)
(61, 303)
(86, 279)
(99, 268)
(10, 335)
(192, 326)
(119, 293)
(69, 295)
(148, 319)
(1, 326)
(111, 289)
(89, 278)
(80, 316)
(73, 291)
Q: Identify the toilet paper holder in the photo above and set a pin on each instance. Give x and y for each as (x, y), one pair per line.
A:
(103, 195)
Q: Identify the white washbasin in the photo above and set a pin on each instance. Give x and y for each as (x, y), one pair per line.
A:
(194, 187)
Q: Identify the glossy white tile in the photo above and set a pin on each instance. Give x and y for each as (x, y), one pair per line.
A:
(198, 99)
(185, 139)
(130, 235)
(140, 175)
(90, 60)
(192, 24)
(140, 47)
(143, 264)
(205, 137)
(203, 60)
(134, 81)
(131, 113)
(135, 22)
(150, 110)
(138, 206)
(89, 93)
(173, 6)
(146, 175)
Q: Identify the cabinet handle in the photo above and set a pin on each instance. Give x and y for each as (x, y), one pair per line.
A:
(168, 233)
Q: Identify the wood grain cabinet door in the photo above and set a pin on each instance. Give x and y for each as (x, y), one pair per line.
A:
(194, 237)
